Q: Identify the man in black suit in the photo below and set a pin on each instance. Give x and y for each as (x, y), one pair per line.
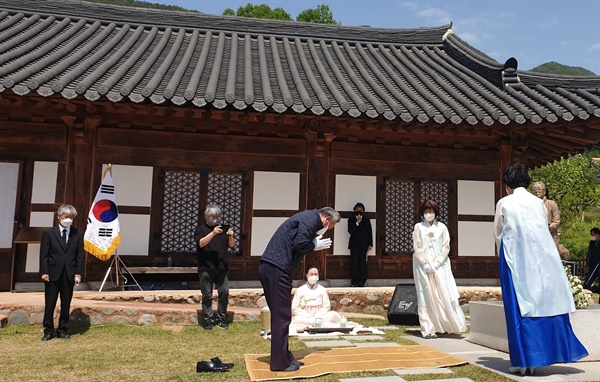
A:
(361, 242)
(61, 266)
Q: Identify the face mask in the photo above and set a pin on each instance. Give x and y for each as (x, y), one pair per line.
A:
(429, 216)
(212, 222)
(323, 230)
(593, 238)
(66, 222)
(313, 279)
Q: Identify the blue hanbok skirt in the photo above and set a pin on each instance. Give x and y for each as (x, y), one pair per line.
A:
(536, 341)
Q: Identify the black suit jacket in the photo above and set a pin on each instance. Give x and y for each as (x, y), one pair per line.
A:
(361, 236)
(56, 255)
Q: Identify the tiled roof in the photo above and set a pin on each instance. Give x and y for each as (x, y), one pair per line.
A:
(79, 49)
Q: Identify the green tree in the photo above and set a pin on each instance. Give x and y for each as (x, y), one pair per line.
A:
(320, 15)
(262, 11)
(574, 183)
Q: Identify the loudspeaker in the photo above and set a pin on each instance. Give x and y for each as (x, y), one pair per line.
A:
(403, 309)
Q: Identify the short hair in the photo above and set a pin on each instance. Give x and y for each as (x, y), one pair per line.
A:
(311, 267)
(328, 211)
(213, 209)
(358, 205)
(595, 230)
(66, 209)
(429, 204)
(516, 175)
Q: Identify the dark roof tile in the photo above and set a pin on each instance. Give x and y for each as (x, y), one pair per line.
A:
(80, 49)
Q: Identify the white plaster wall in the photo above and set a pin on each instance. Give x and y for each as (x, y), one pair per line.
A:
(276, 191)
(45, 175)
(133, 185)
(476, 239)
(135, 234)
(32, 263)
(351, 189)
(475, 197)
(342, 237)
(263, 229)
(9, 180)
(44, 219)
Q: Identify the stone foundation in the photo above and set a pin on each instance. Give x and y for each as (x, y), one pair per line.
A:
(488, 327)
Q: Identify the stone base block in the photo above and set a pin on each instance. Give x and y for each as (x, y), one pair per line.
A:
(488, 327)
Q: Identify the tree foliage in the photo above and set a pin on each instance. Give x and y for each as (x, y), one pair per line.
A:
(262, 11)
(556, 68)
(320, 15)
(574, 183)
(142, 4)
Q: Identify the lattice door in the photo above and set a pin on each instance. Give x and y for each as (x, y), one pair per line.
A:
(225, 190)
(181, 211)
(399, 207)
(438, 192)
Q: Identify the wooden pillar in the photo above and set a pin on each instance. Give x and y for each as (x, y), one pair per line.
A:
(506, 158)
(80, 160)
(319, 191)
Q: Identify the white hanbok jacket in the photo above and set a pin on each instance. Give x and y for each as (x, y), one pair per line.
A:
(539, 279)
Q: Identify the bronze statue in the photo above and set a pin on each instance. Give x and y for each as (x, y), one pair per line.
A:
(552, 210)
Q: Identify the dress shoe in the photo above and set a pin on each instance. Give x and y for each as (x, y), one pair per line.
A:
(218, 362)
(203, 367)
(63, 335)
(297, 363)
(48, 336)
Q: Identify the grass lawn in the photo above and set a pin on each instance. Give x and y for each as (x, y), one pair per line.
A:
(160, 353)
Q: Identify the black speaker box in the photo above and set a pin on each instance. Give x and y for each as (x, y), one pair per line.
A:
(403, 309)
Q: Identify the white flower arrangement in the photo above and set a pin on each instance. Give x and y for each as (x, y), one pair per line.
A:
(579, 296)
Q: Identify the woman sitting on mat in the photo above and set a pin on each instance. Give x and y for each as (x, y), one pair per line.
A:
(311, 301)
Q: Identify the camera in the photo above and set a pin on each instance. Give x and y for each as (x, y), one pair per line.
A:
(225, 227)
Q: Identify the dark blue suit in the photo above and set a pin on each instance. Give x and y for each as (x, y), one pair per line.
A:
(292, 240)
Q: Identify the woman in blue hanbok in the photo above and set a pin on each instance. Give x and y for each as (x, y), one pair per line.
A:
(535, 290)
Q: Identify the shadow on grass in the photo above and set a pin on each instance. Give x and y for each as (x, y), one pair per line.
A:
(79, 321)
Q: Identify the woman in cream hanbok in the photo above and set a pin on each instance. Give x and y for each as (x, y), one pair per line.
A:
(437, 294)
(311, 301)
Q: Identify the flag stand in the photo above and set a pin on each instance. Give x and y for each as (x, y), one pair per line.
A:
(118, 263)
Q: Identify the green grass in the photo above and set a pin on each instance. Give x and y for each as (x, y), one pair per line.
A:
(160, 353)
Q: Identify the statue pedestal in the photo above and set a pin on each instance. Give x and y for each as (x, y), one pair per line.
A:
(488, 327)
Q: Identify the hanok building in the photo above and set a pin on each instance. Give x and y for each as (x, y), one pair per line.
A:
(265, 118)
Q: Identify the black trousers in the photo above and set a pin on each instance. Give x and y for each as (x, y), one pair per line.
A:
(358, 266)
(593, 274)
(63, 287)
(278, 292)
(221, 280)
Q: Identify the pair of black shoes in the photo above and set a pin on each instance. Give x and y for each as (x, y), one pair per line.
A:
(221, 324)
(55, 334)
(214, 365)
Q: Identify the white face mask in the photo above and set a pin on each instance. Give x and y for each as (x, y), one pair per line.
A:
(312, 280)
(593, 238)
(323, 230)
(429, 216)
(66, 222)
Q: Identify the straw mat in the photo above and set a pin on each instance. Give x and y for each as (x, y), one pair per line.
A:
(353, 359)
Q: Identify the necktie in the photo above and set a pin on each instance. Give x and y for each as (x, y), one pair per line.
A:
(64, 236)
